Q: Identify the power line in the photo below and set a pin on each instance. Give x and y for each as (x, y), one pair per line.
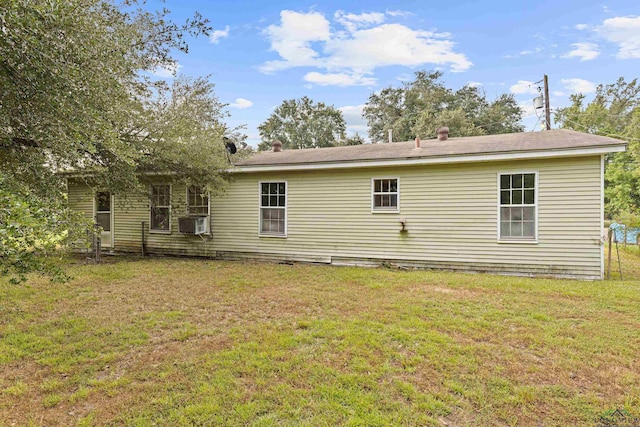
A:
(611, 135)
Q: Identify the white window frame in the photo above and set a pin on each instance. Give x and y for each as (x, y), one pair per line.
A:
(392, 210)
(286, 208)
(154, 230)
(536, 196)
(208, 214)
(111, 220)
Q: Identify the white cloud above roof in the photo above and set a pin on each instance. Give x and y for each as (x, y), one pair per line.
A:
(217, 35)
(167, 72)
(578, 85)
(353, 117)
(524, 87)
(339, 79)
(308, 40)
(241, 103)
(584, 51)
(352, 21)
(623, 31)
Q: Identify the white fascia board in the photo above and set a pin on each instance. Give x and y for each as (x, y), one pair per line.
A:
(464, 158)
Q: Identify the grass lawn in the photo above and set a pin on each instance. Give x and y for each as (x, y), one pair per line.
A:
(625, 259)
(194, 342)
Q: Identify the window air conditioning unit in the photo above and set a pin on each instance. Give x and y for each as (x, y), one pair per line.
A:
(192, 224)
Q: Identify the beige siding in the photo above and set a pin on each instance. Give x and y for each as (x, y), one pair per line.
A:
(450, 210)
(80, 198)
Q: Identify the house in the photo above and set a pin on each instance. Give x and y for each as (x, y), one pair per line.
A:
(523, 203)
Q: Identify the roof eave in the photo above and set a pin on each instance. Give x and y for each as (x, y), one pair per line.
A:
(459, 158)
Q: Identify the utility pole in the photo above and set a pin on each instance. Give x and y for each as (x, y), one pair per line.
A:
(547, 111)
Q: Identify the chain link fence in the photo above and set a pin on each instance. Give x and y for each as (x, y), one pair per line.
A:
(622, 253)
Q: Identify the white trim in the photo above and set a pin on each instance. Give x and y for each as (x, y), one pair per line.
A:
(154, 231)
(463, 158)
(383, 210)
(111, 219)
(186, 207)
(286, 209)
(536, 195)
(602, 215)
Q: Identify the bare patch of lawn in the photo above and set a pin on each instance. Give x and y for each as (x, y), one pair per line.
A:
(193, 342)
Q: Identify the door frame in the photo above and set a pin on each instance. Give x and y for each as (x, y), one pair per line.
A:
(95, 212)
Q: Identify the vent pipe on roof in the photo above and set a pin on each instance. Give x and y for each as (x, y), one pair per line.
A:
(443, 133)
(277, 146)
(390, 135)
(417, 142)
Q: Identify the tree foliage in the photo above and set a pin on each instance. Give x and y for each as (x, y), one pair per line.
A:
(76, 92)
(615, 112)
(424, 104)
(355, 139)
(301, 123)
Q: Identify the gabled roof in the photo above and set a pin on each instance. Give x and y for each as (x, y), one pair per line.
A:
(552, 143)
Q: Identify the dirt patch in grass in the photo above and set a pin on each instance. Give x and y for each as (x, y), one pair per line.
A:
(192, 342)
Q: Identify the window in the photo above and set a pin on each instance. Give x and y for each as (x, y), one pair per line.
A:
(273, 208)
(197, 201)
(518, 206)
(103, 210)
(385, 195)
(160, 208)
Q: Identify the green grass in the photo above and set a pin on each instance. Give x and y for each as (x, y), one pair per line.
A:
(193, 342)
(625, 260)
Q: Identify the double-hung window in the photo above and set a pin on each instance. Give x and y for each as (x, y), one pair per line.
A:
(197, 201)
(160, 207)
(518, 202)
(273, 208)
(385, 195)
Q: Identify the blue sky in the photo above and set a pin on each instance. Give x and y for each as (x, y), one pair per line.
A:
(339, 52)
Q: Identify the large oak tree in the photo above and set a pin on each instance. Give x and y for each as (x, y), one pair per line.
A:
(302, 123)
(420, 106)
(614, 111)
(77, 92)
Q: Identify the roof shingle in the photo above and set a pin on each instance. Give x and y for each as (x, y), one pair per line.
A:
(558, 139)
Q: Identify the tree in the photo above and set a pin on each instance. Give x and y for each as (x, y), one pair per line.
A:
(615, 112)
(301, 123)
(356, 139)
(424, 104)
(76, 93)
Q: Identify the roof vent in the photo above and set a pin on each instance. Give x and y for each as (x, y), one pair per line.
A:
(277, 146)
(417, 142)
(443, 133)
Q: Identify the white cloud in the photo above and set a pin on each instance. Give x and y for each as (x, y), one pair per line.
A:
(581, 27)
(393, 44)
(167, 72)
(339, 79)
(306, 40)
(624, 31)
(527, 108)
(353, 22)
(578, 85)
(292, 39)
(217, 35)
(399, 13)
(584, 51)
(524, 87)
(474, 84)
(241, 103)
(558, 93)
(355, 122)
(534, 51)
